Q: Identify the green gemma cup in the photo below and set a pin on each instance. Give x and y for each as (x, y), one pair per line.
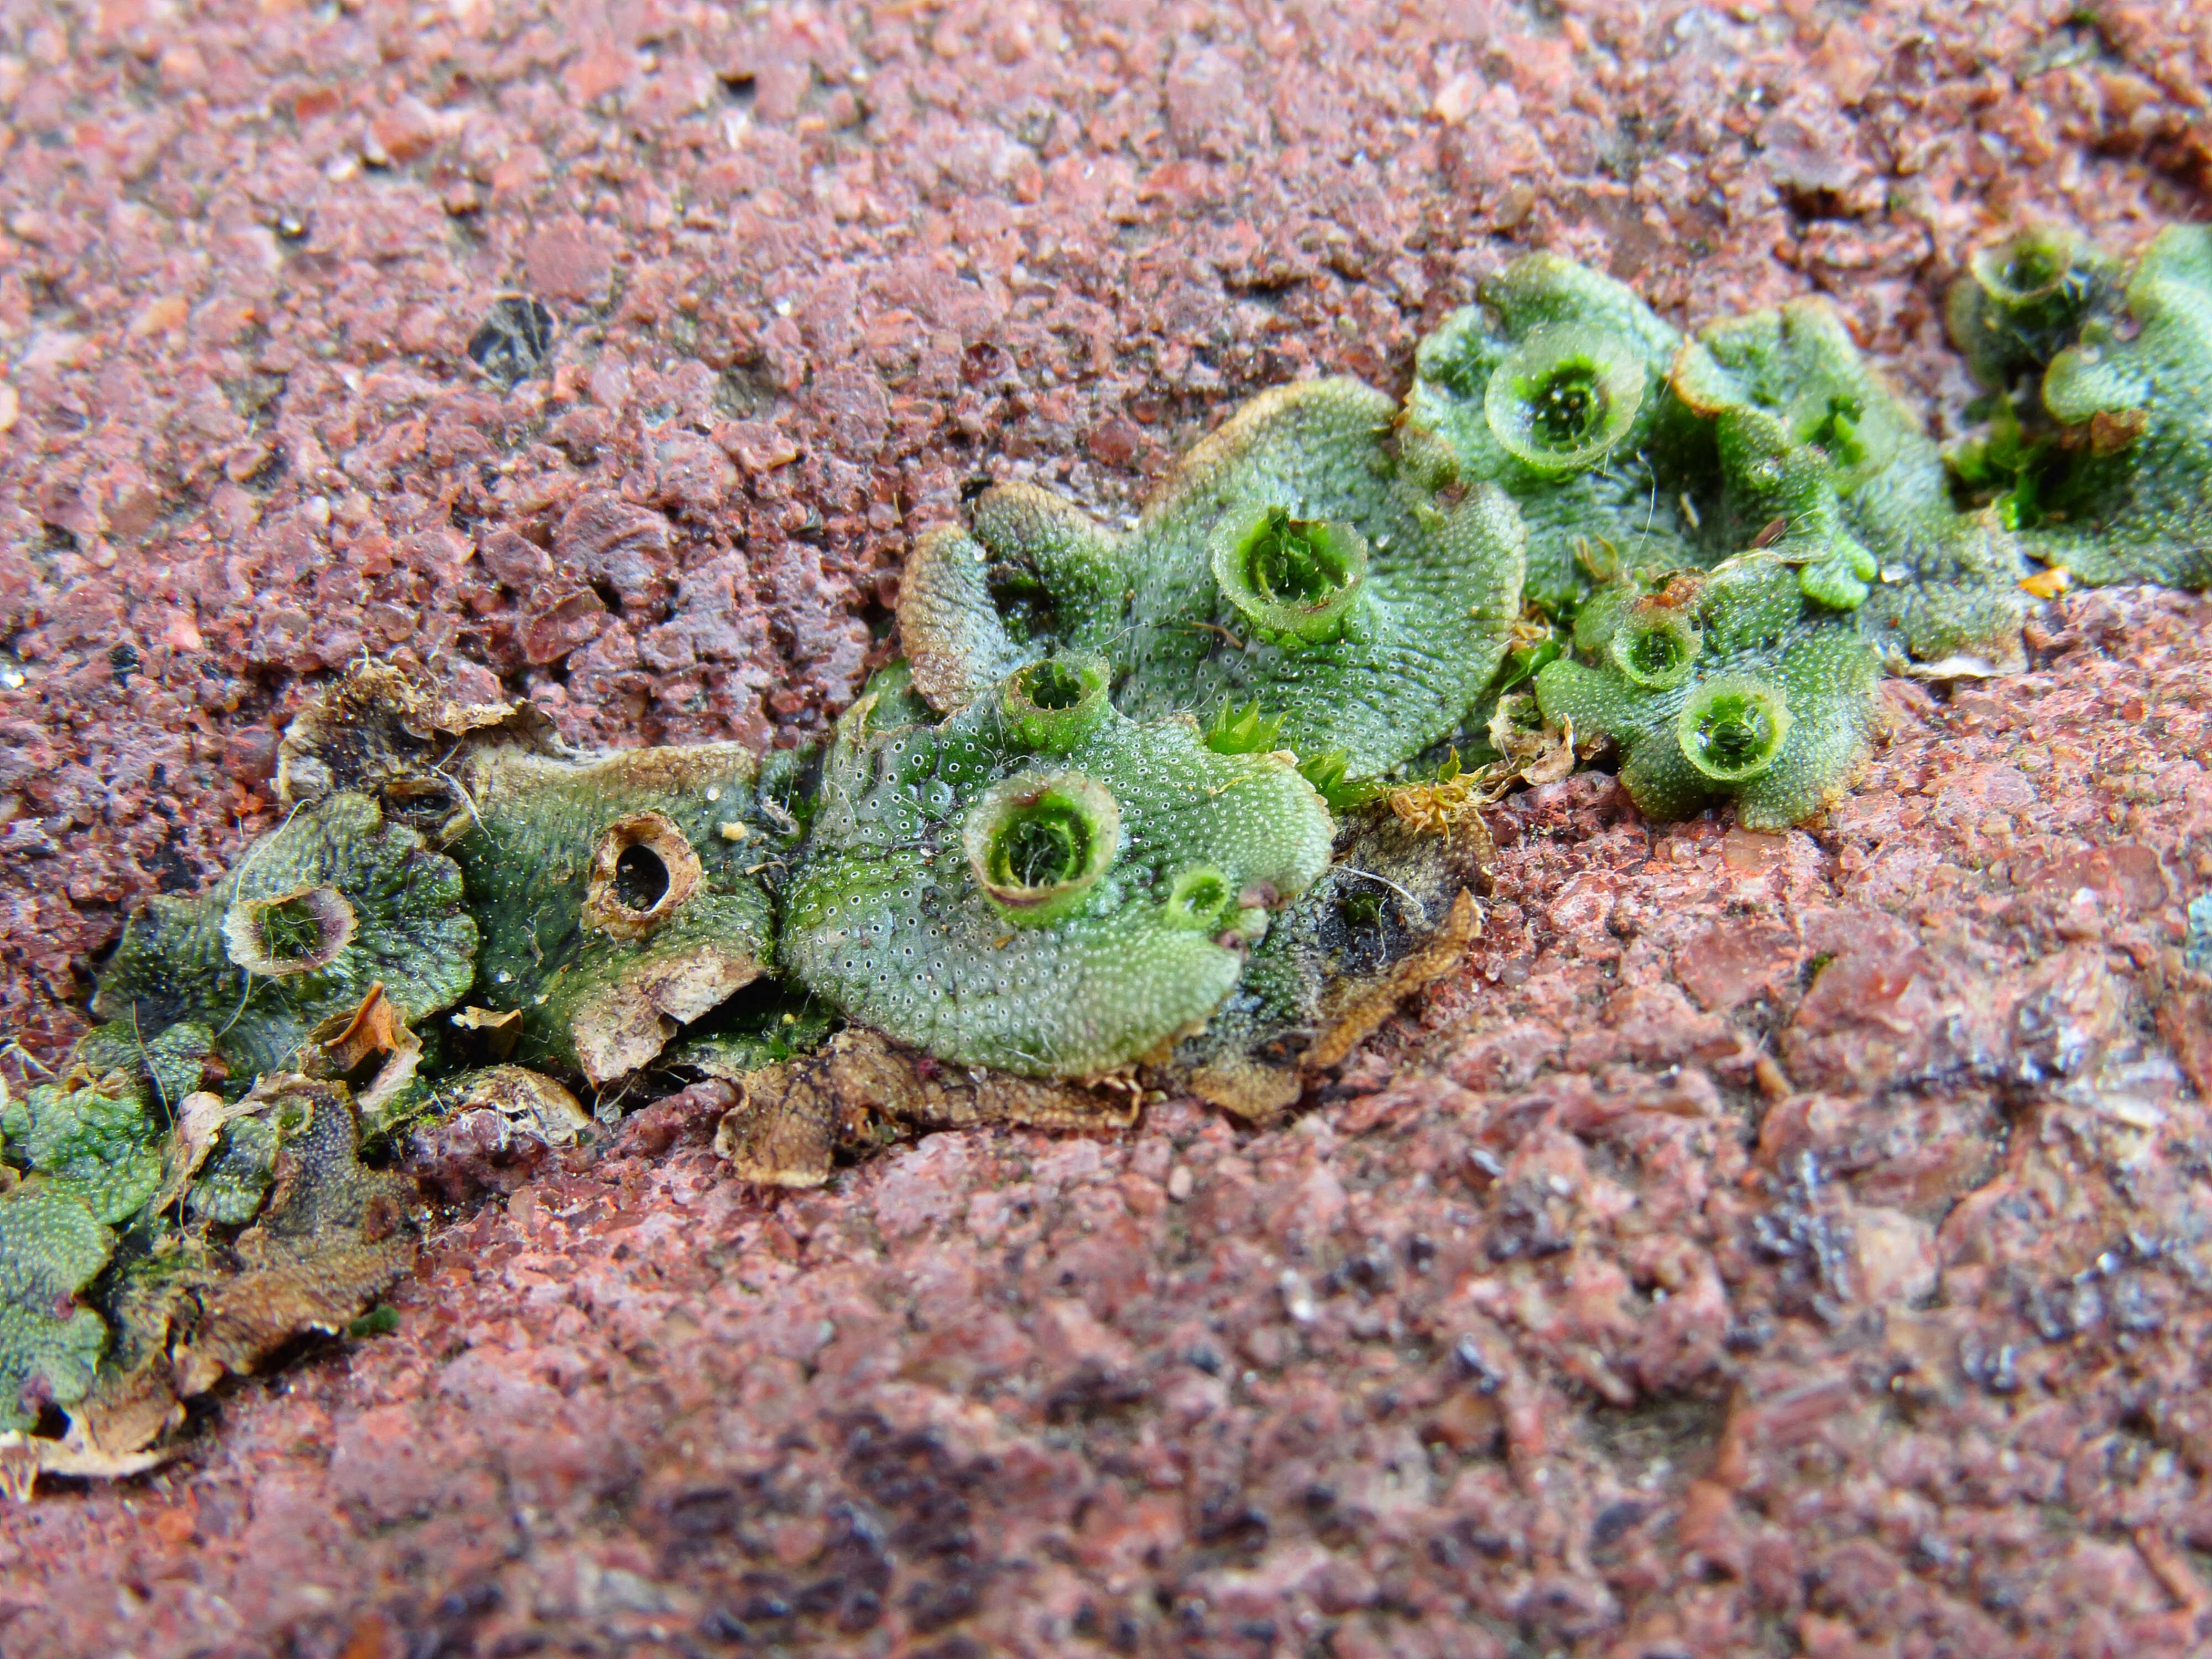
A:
(1565, 399)
(1038, 842)
(1733, 728)
(1295, 580)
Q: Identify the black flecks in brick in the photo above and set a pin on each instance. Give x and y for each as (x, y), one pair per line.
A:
(1094, 1391)
(514, 340)
(1614, 1522)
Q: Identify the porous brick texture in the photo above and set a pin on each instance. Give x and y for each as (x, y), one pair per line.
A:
(1764, 1244)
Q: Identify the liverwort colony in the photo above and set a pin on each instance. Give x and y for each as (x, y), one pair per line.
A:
(1191, 805)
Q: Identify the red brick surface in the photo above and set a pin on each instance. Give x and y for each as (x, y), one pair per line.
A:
(1765, 1245)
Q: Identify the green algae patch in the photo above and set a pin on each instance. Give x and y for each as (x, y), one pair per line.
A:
(1054, 921)
(117, 1301)
(97, 1141)
(1553, 389)
(1180, 808)
(1625, 445)
(1773, 711)
(51, 1248)
(2102, 461)
(1293, 562)
(618, 898)
(1824, 468)
(335, 900)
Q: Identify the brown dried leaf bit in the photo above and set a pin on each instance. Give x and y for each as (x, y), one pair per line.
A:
(24, 1458)
(334, 1237)
(791, 1119)
(380, 731)
(343, 1043)
(1396, 911)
